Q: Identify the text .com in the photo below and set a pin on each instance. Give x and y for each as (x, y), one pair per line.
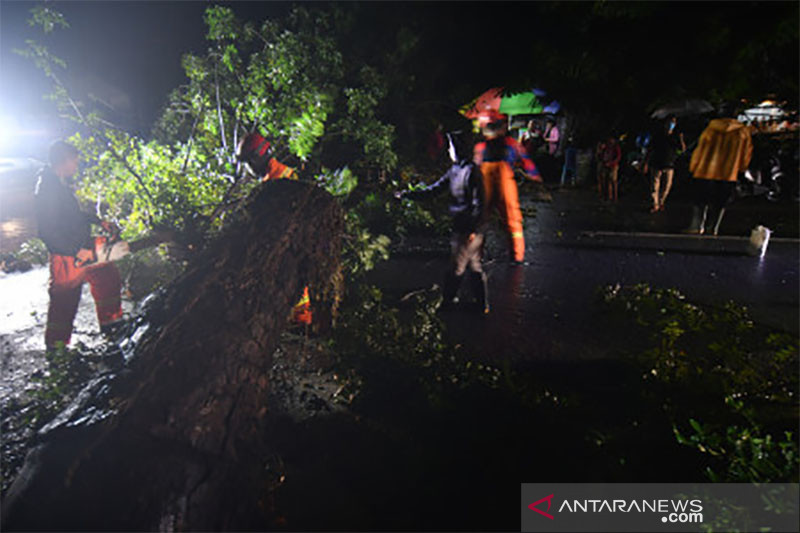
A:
(683, 518)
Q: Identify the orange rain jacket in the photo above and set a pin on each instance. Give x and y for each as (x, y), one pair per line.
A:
(724, 150)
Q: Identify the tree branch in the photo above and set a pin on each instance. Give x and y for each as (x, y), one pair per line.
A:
(219, 111)
(189, 145)
(94, 130)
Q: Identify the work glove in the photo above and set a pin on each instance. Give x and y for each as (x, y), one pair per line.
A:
(84, 256)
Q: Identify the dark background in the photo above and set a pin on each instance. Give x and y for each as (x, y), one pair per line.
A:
(611, 61)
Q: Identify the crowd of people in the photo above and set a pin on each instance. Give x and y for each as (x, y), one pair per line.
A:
(714, 162)
(656, 155)
(480, 181)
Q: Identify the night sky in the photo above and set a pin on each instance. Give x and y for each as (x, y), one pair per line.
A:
(129, 52)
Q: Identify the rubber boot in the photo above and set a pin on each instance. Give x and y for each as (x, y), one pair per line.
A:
(450, 288)
(719, 220)
(480, 287)
(698, 224)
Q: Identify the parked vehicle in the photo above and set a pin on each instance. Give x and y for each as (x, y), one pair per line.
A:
(774, 169)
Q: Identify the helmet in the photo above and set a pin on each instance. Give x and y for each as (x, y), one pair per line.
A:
(490, 116)
(492, 124)
(254, 152)
(252, 146)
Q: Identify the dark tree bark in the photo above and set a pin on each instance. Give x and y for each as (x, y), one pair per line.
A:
(176, 440)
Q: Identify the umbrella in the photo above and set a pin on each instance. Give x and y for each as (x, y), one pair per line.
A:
(682, 108)
(524, 103)
(552, 108)
(520, 104)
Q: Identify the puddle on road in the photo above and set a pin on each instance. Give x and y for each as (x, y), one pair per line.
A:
(23, 314)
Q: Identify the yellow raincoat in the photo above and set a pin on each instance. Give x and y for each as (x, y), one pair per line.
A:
(724, 150)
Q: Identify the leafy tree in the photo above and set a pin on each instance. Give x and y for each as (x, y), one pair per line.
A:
(285, 78)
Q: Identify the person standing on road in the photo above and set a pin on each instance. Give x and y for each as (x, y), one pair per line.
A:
(552, 137)
(599, 168)
(609, 156)
(723, 150)
(467, 208)
(496, 156)
(666, 145)
(532, 139)
(66, 232)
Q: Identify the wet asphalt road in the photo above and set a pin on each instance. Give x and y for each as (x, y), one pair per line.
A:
(547, 308)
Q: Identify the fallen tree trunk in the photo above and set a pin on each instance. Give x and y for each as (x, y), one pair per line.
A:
(174, 441)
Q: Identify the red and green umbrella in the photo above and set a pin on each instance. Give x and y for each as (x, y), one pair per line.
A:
(524, 103)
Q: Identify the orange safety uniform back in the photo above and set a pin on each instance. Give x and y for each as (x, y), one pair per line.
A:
(256, 152)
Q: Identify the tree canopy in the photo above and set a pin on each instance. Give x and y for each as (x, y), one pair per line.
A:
(287, 79)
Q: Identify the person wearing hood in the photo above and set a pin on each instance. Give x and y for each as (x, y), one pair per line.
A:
(464, 182)
(723, 151)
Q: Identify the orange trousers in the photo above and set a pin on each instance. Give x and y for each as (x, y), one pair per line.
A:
(66, 281)
(501, 194)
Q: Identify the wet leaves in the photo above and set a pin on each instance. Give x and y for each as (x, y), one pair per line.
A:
(697, 356)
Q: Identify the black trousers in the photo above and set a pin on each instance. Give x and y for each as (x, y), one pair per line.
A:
(713, 193)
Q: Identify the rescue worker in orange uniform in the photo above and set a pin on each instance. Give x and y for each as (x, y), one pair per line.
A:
(256, 154)
(496, 157)
(66, 232)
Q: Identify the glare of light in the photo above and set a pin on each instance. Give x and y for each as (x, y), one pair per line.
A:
(767, 233)
(9, 129)
(11, 227)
